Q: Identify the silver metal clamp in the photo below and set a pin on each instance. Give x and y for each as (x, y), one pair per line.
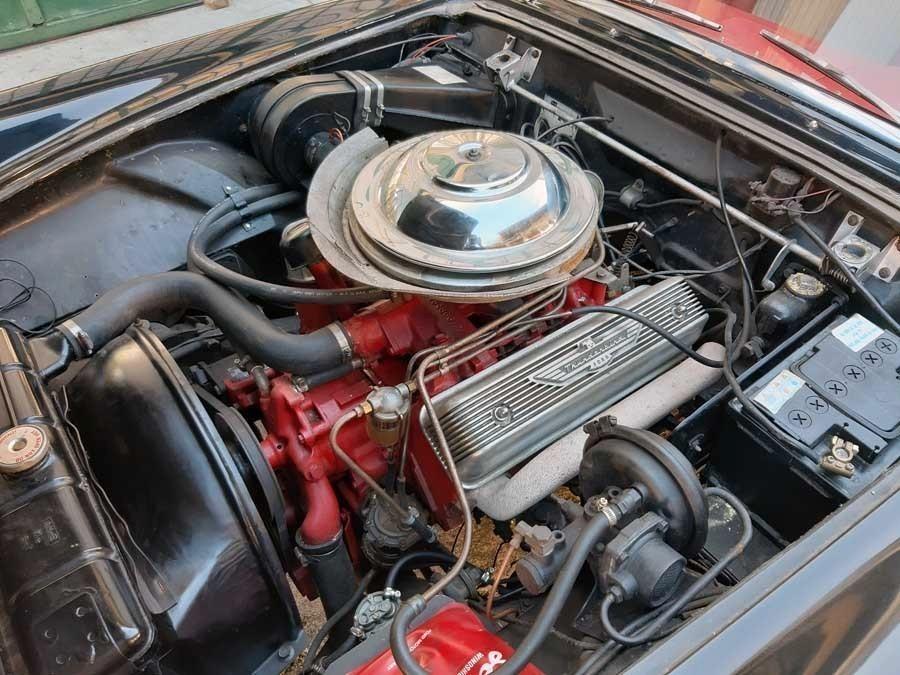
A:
(510, 67)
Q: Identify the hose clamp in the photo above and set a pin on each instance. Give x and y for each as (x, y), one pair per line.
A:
(77, 337)
(235, 196)
(343, 341)
(368, 87)
(611, 515)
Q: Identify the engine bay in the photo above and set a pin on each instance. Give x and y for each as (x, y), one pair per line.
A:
(317, 334)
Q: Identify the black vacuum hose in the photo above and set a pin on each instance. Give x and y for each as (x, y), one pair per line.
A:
(650, 631)
(222, 218)
(153, 297)
(416, 560)
(559, 594)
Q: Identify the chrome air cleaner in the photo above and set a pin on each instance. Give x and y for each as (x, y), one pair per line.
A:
(466, 214)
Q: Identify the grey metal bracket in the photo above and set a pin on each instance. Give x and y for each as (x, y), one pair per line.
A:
(378, 107)
(369, 97)
(851, 224)
(886, 265)
(510, 67)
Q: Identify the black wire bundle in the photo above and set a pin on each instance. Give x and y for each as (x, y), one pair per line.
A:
(559, 142)
(24, 294)
(229, 214)
(733, 344)
(586, 118)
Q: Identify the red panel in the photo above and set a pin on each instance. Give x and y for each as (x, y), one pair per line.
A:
(741, 32)
(452, 642)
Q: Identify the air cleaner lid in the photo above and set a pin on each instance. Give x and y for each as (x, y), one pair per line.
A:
(471, 201)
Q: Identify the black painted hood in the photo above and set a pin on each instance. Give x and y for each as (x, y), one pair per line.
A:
(48, 124)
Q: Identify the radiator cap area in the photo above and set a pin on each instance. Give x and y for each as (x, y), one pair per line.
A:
(22, 447)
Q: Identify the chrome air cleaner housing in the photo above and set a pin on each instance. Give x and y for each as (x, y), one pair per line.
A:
(468, 214)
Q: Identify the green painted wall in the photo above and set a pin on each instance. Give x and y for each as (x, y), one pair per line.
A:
(24, 22)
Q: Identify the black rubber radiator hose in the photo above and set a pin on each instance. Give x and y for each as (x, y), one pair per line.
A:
(158, 295)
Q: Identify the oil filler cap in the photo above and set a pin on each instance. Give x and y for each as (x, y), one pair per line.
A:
(22, 448)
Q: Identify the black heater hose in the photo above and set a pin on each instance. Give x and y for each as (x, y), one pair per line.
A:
(416, 560)
(224, 217)
(155, 296)
(559, 594)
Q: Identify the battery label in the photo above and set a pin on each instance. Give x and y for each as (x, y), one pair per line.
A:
(779, 391)
(856, 332)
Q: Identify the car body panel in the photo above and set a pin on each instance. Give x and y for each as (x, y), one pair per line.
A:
(741, 30)
(82, 109)
(784, 613)
(829, 603)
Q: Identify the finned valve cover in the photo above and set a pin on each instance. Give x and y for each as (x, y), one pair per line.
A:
(508, 412)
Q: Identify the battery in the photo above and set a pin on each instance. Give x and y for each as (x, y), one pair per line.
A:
(838, 396)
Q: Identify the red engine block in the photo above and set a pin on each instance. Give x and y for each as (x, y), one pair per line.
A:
(299, 421)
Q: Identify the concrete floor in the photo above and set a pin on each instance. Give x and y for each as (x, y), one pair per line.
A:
(37, 62)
